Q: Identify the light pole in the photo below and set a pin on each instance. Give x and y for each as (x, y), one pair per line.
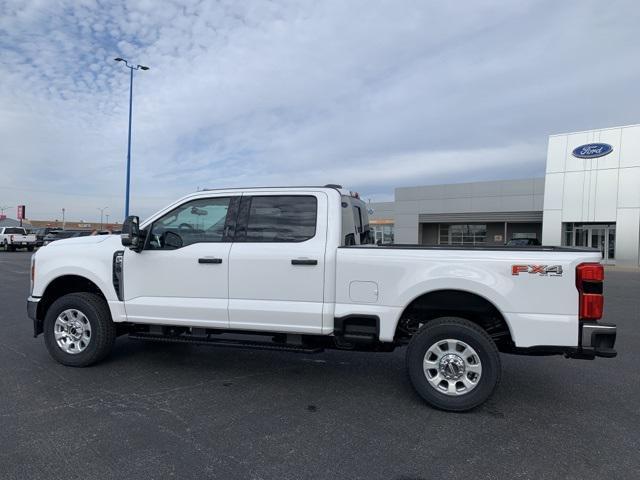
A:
(107, 217)
(131, 69)
(102, 215)
(63, 210)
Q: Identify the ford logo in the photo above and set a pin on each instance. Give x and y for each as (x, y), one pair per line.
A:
(592, 150)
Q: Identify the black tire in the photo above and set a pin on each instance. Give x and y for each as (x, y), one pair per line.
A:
(475, 337)
(30, 249)
(103, 330)
(6, 246)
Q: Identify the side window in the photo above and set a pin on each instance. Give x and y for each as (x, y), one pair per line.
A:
(286, 218)
(198, 221)
(357, 218)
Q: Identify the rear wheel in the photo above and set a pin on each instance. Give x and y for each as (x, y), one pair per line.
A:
(78, 330)
(453, 364)
(30, 249)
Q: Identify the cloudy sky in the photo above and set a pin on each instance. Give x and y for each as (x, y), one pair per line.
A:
(369, 94)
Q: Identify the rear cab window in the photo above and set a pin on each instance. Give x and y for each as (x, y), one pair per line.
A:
(355, 222)
(277, 218)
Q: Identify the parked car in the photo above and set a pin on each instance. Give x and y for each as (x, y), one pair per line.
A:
(522, 242)
(295, 265)
(41, 233)
(12, 238)
(62, 234)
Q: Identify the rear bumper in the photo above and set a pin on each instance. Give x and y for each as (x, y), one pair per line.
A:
(595, 340)
(598, 339)
(32, 313)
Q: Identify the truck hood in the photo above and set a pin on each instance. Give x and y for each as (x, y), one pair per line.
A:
(91, 240)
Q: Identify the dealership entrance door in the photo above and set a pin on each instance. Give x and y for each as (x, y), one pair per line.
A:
(600, 236)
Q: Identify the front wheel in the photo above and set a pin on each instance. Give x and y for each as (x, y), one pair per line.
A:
(78, 330)
(453, 364)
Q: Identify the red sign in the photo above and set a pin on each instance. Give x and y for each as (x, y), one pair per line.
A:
(3, 216)
(21, 212)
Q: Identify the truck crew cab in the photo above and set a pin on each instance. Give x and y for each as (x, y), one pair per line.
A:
(12, 238)
(297, 266)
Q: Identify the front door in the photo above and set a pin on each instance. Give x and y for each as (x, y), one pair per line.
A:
(181, 276)
(598, 240)
(277, 262)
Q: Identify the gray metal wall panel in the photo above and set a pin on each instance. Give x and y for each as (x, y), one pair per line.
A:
(530, 216)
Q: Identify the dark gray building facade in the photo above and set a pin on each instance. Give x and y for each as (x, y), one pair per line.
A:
(478, 213)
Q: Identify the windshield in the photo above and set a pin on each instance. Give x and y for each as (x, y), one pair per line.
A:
(15, 231)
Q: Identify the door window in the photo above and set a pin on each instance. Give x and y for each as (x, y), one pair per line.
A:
(280, 218)
(198, 221)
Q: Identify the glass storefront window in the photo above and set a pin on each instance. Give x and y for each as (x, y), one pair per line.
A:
(567, 234)
(612, 243)
(383, 233)
(593, 235)
(463, 234)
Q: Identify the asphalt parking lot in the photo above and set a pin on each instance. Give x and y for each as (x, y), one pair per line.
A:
(163, 411)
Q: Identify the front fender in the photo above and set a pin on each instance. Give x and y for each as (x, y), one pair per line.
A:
(93, 262)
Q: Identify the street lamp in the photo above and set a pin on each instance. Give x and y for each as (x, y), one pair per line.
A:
(101, 216)
(131, 69)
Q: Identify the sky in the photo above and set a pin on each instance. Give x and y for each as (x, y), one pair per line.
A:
(369, 94)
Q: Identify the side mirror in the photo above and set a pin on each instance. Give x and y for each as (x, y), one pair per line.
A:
(131, 234)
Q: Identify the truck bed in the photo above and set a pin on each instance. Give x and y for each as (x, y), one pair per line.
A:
(529, 248)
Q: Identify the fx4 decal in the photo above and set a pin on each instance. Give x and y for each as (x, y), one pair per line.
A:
(544, 270)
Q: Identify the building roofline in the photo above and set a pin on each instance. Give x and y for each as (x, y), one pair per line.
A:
(469, 183)
(595, 130)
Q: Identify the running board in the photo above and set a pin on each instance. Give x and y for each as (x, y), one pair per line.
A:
(224, 342)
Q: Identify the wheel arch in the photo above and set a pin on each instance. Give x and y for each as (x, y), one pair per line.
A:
(460, 302)
(63, 285)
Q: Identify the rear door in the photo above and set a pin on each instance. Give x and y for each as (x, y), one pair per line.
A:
(276, 276)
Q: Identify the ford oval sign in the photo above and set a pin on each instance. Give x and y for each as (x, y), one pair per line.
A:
(592, 150)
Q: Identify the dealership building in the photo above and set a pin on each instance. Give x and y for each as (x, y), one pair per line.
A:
(589, 196)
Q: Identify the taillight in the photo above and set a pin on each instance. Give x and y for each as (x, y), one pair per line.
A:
(589, 282)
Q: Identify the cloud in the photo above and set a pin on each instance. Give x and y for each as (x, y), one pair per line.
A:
(372, 95)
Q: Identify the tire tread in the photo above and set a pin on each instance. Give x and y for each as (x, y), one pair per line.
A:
(456, 404)
(101, 324)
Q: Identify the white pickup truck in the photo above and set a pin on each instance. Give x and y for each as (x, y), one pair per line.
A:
(12, 238)
(294, 268)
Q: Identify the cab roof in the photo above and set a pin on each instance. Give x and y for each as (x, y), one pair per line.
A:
(339, 188)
